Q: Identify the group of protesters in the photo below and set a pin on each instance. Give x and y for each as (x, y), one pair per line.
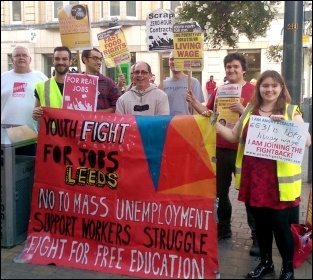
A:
(24, 93)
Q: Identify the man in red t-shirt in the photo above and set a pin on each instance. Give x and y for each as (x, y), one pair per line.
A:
(210, 86)
(235, 67)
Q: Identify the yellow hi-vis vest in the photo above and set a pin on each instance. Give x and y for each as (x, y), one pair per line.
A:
(49, 94)
(288, 174)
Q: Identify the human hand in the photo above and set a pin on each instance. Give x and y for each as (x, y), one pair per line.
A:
(277, 117)
(121, 81)
(207, 113)
(190, 97)
(236, 107)
(37, 113)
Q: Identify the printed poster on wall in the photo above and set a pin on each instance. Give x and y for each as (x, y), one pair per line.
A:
(188, 46)
(107, 195)
(277, 140)
(159, 26)
(80, 92)
(114, 47)
(75, 28)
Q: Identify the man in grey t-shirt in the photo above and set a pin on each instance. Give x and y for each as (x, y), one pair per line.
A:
(176, 88)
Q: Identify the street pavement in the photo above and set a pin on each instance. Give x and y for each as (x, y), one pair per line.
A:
(233, 254)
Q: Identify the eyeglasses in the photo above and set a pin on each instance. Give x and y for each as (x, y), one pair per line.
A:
(21, 55)
(142, 72)
(96, 58)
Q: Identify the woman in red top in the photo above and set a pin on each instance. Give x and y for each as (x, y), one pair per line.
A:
(259, 179)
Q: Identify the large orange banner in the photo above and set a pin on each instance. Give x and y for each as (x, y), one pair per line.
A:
(124, 194)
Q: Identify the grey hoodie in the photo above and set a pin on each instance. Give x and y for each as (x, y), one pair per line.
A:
(149, 102)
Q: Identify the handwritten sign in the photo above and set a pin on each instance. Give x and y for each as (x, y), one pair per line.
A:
(80, 92)
(114, 46)
(277, 140)
(159, 25)
(188, 46)
(107, 195)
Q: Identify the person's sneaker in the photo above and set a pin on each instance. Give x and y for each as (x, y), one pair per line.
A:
(254, 250)
(224, 234)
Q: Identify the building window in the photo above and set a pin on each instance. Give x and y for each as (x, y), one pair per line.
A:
(16, 11)
(101, 9)
(48, 66)
(253, 58)
(10, 63)
(61, 4)
(56, 6)
(174, 5)
(115, 8)
(131, 9)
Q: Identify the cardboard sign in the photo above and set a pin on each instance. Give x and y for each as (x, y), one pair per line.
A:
(277, 140)
(80, 92)
(113, 44)
(188, 46)
(75, 28)
(159, 25)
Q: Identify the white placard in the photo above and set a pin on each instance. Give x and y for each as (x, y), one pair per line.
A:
(277, 140)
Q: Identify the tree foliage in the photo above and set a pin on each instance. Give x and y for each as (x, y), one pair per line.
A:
(224, 21)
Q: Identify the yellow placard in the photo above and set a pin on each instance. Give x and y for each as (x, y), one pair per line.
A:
(75, 27)
(188, 46)
(114, 46)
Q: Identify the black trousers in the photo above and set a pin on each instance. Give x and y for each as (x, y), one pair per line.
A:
(225, 168)
(269, 221)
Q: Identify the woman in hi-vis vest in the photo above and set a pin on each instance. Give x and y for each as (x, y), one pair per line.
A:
(271, 187)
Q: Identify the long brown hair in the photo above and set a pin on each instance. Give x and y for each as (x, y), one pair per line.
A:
(283, 99)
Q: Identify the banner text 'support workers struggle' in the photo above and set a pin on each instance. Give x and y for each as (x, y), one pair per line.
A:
(123, 194)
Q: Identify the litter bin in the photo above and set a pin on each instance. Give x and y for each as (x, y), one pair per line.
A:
(17, 177)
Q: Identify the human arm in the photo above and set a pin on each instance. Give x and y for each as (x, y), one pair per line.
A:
(108, 96)
(163, 106)
(38, 111)
(200, 108)
(230, 135)
(121, 84)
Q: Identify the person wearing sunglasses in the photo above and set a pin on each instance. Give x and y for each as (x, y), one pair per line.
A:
(17, 90)
(145, 98)
(108, 91)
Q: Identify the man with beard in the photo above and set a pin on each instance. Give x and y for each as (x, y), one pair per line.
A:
(50, 92)
(108, 91)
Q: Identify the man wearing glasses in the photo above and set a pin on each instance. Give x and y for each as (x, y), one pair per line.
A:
(144, 99)
(17, 90)
(108, 91)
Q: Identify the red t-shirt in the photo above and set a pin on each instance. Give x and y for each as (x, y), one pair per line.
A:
(246, 94)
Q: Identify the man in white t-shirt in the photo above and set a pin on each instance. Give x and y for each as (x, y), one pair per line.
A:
(17, 90)
(17, 95)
